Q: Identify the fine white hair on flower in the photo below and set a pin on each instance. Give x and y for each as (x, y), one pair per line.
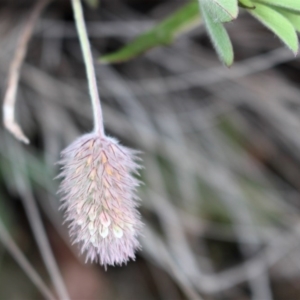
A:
(99, 198)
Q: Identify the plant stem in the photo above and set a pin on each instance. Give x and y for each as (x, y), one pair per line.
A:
(88, 61)
(20, 258)
(10, 96)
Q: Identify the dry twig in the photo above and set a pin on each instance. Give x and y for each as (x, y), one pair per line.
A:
(14, 74)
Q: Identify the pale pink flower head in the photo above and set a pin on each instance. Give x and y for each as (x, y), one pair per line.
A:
(99, 197)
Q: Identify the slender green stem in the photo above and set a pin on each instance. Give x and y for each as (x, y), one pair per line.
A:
(88, 61)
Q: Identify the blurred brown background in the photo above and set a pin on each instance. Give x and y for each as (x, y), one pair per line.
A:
(220, 147)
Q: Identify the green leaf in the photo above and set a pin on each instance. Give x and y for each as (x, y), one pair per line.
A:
(294, 18)
(221, 10)
(164, 33)
(276, 22)
(219, 38)
(246, 4)
(293, 5)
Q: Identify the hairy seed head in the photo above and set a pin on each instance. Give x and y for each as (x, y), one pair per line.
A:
(99, 198)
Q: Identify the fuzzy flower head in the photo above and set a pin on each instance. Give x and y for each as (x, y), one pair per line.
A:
(99, 198)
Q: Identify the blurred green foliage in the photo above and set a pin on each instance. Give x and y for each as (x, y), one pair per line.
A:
(281, 17)
(162, 34)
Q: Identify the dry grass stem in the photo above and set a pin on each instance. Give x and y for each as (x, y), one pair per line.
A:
(9, 101)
